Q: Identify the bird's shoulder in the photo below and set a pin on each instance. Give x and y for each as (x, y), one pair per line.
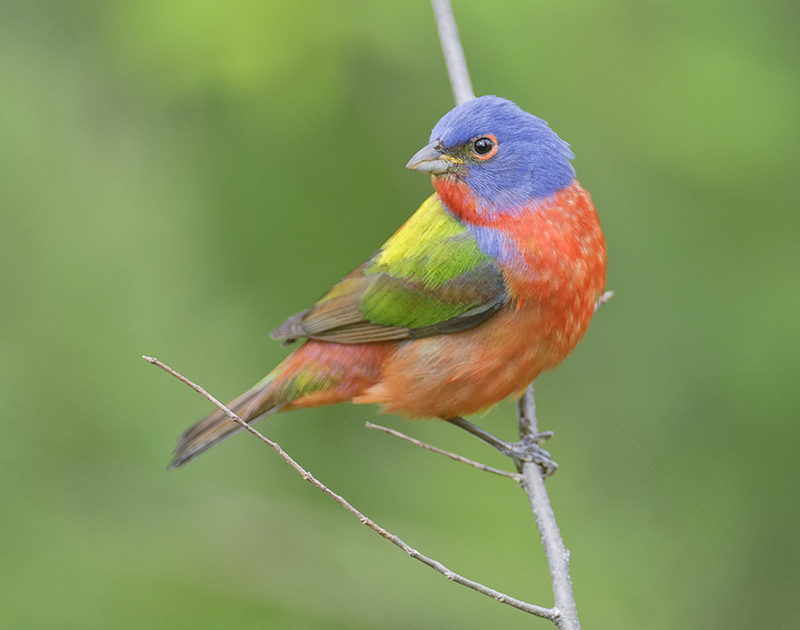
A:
(429, 278)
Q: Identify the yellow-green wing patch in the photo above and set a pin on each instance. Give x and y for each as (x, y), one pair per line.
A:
(429, 278)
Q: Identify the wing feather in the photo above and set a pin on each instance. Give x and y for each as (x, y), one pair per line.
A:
(430, 278)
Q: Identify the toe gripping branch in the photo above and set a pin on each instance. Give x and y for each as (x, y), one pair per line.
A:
(528, 449)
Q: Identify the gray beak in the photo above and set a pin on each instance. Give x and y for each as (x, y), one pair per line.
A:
(432, 159)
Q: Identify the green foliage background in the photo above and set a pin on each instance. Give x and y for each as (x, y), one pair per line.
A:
(178, 177)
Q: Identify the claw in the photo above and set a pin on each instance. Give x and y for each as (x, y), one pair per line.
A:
(526, 450)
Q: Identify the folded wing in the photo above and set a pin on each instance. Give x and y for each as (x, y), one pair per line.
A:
(429, 278)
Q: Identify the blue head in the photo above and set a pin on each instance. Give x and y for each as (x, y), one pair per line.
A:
(506, 156)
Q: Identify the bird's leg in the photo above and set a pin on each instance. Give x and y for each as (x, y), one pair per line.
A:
(526, 450)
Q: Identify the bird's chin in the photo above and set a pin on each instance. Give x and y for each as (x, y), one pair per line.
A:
(450, 177)
(453, 191)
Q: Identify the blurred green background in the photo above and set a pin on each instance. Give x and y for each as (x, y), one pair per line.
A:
(178, 177)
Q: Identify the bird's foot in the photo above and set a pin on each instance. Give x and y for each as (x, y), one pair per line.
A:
(526, 450)
(533, 452)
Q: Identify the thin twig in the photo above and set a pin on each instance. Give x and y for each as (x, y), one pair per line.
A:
(603, 299)
(546, 613)
(458, 458)
(554, 549)
(453, 51)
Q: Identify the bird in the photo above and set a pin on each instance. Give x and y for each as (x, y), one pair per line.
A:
(492, 281)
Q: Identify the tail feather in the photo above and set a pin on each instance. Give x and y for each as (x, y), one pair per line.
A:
(217, 426)
(317, 373)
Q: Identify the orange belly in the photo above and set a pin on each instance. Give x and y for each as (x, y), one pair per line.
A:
(458, 374)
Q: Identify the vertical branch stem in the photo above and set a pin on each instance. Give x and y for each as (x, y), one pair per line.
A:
(533, 483)
(453, 52)
(564, 614)
(557, 554)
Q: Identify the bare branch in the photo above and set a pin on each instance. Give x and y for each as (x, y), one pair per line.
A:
(458, 458)
(603, 299)
(546, 613)
(453, 52)
(555, 551)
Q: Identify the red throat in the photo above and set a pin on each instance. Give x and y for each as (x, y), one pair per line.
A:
(459, 199)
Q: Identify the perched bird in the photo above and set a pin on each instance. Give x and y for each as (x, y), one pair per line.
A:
(493, 280)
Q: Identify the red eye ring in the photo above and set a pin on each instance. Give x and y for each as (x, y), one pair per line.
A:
(484, 147)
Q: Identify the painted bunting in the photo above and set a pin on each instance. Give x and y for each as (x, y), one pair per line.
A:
(493, 280)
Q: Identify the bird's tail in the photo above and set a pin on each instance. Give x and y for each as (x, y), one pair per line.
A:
(317, 373)
(217, 426)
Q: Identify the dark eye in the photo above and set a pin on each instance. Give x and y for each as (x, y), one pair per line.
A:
(483, 146)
